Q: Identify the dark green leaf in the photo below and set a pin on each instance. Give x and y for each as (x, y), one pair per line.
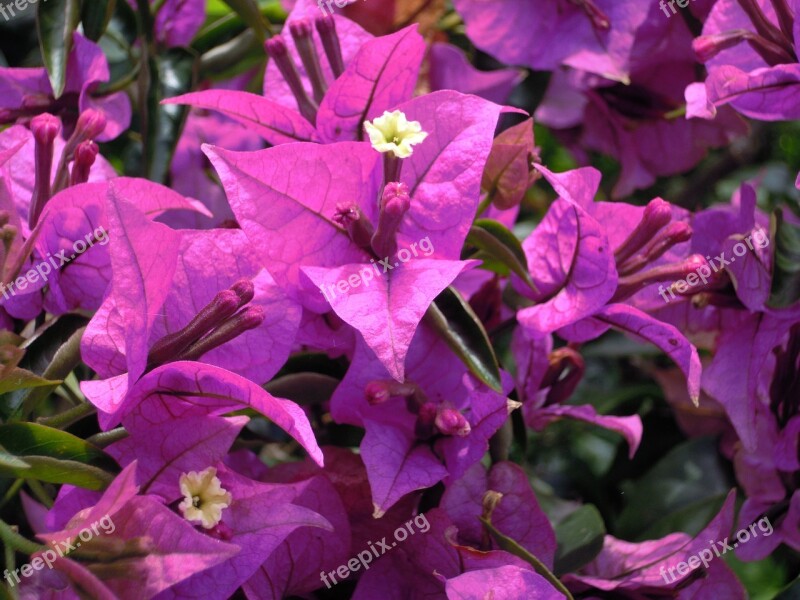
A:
(19, 379)
(8, 461)
(53, 470)
(766, 579)
(580, 539)
(118, 44)
(53, 456)
(95, 16)
(682, 492)
(791, 592)
(48, 342)
(172, 73)
(786, 272)
(56, 21)
(53, 352)
(458, 325)
(494, 239)
(303, 388)
(313, 362)
(123, 23)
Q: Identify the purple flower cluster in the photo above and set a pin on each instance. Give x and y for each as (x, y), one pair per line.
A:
(236, 465)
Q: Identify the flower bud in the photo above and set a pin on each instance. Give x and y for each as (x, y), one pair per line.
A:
(451, 422)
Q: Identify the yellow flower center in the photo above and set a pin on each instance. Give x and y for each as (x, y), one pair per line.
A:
(203, 497)
(393, 132)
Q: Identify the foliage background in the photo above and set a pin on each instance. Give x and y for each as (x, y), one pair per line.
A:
(672, 484)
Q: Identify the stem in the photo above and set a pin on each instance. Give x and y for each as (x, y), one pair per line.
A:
(11, 492)
(511, 546)
(764, 26)
(67, 418)
(143, 82)
(785, 17)
(40, 493)
(119, 85)
(68, 394)
(145, 19)
(16, 541)
(11, 565)
(11, 271)
(676, 114)
(104, 438)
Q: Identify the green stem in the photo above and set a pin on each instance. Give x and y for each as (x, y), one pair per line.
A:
(11, 565)
(104, 438)
(69, 394)
(119, 85)
(40, 493)
(676, 114)
(16, 541)
(512, 546)
(145, 19)
(11, 492)
(67, 418)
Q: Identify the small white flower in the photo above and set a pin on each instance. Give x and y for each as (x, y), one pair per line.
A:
(393, 132)
(204, 497)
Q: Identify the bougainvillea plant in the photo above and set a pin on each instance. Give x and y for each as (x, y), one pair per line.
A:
(399, 299)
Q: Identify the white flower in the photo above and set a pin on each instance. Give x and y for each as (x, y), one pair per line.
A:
(393, 132)
(204, 497)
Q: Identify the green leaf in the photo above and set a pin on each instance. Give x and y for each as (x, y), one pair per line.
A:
(458, 325)
(9, 461)
(118, 44)
(786, 272)
(56, 20)
(498, 242)
(580, 539)
(511, 546)
(123, 24)
(52, 353)
(765, 579)
(53, 456)
(682, 492)
(251, 14)
(303, 388)
(19, 379)
(790, 592)
(95, 16)
(172, 73)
